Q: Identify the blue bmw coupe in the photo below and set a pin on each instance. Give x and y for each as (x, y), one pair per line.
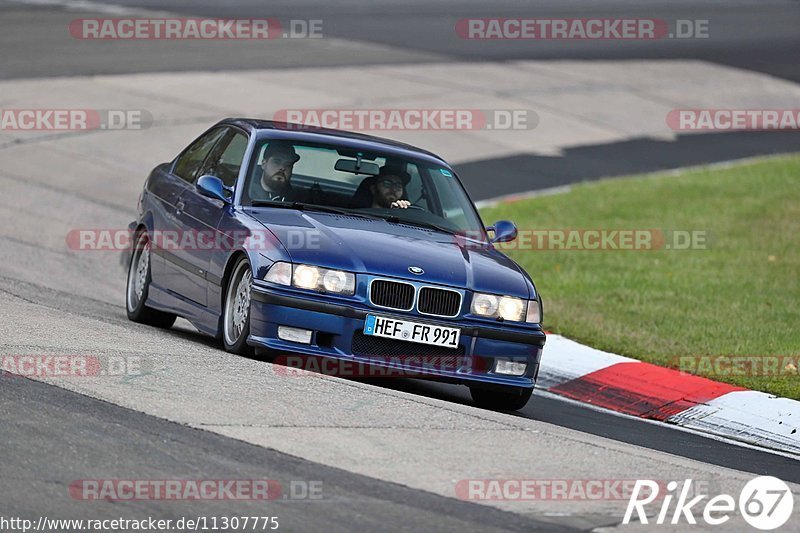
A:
(328, 244)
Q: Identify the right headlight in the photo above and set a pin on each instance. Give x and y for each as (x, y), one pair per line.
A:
(506, 307)
(312, 278)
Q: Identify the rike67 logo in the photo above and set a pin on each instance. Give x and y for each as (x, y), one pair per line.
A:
(765, 503)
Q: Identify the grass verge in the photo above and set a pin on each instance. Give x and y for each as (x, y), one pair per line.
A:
(736, 295)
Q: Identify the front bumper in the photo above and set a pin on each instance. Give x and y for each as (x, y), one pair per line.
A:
(337, 329)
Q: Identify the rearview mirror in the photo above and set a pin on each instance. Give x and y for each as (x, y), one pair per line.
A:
(356, 166)
(504, 231)
(212, 187)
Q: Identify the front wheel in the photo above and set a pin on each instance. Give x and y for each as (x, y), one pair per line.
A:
(509, 399)
(139, 286)
(236, 314)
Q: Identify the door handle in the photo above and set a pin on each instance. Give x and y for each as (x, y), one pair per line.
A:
(180, 207)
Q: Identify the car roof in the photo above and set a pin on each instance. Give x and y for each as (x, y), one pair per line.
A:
(300, 132)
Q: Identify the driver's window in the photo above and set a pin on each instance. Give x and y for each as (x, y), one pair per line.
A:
(226, 159)
(190, 161)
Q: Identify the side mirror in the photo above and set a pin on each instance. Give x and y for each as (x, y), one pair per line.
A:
(212, 187)
(504, 231)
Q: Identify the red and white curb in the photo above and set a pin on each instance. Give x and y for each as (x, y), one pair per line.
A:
(644, 390)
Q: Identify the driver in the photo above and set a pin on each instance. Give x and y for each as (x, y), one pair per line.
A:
(277, 165)
(388, 188)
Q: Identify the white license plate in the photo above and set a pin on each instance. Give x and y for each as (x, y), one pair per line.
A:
(404, 330)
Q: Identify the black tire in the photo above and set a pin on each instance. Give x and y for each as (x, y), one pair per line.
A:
(236, 309)
(510, 399)
(138, 287)
(265, 354)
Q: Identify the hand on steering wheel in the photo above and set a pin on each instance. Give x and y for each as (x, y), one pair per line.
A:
(405, 204)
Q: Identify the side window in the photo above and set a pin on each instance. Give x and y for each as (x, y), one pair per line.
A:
(191, 159)
(414, 189)
(226, 158)
(451, 200)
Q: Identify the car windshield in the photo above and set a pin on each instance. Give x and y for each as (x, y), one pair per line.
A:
(360, 182)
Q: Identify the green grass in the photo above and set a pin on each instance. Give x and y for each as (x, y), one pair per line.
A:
(738, 296)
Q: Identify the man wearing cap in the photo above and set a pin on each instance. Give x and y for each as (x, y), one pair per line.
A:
(277, 165)
(388, 188)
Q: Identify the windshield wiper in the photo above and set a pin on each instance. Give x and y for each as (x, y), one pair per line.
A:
(418, 223)
(301, 206)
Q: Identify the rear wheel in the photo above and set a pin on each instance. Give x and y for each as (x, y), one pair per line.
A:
(509, 399)
(236, 314)
(139, 285)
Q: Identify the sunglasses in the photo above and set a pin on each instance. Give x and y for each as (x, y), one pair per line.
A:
(391, 184)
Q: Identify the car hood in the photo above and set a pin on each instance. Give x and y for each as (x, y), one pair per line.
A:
(381, 248)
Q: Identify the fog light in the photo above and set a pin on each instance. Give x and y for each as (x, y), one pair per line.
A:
(302, 336)
(511, 368)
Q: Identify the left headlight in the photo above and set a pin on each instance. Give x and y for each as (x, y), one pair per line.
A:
(312, 278)
(505, 307)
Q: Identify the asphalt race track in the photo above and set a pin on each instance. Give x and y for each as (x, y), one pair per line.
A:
(388, 453)
(351, 501)
(759, 36)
